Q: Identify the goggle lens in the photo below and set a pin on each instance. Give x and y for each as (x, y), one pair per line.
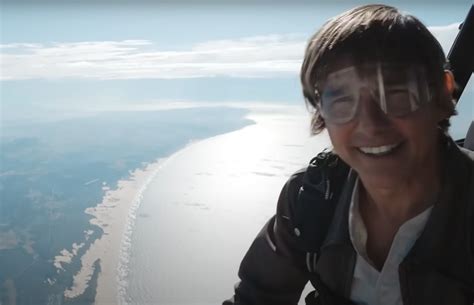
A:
(397, 89)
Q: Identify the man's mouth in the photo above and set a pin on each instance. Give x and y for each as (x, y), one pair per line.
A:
(379, 150)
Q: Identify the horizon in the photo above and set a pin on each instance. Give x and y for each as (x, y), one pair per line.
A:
(117, 56)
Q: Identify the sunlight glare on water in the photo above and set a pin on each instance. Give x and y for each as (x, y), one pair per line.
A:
(201, 212)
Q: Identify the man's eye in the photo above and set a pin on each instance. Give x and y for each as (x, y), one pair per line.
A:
(343, 101)
(397, 91)
(342, 106)
(398, 101)
(397, 94)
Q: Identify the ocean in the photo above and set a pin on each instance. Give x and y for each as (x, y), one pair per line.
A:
(200, 213)
(52, 171)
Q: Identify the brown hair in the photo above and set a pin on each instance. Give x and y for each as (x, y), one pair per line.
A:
(368, 33)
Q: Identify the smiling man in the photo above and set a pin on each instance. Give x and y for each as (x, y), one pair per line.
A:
(401, 229)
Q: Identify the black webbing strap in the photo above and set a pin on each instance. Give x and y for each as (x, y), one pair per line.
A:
(317, 201)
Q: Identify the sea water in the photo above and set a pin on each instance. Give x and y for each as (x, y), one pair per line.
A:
(200, 213)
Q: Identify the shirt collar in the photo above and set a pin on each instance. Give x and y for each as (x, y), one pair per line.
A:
(404, 239)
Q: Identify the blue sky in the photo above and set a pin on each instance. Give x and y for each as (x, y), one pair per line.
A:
(143, 40)
(179, 25)
(77, 55)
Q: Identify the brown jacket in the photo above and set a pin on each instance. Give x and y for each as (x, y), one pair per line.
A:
(438, 270)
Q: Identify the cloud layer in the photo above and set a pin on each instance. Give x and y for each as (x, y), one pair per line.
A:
(261, 56)
(129, 59)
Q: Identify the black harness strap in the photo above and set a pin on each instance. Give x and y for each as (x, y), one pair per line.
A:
(313, 214)
(317, 201)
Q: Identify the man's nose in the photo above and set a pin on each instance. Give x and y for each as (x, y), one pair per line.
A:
(371, 118)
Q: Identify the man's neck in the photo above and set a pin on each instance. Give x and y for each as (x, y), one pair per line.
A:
(402, 201)
(385, 210)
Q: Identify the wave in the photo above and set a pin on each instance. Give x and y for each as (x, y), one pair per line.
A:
(123, 266)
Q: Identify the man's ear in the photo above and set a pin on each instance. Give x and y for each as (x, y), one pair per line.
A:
(446, 102)
(449, 83)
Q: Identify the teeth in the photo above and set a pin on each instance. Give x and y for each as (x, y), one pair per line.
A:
(378, 150)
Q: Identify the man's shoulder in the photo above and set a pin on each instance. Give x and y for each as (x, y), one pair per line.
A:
(324, 169)
(468, 153)
(468, 160)
(294, 184)
(297, 177)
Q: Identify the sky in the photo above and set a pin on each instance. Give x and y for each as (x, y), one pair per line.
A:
(95, 54)
(170, 41)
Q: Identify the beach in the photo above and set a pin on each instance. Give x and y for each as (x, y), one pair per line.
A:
(202, 210)
(183, 223)
(112, 215)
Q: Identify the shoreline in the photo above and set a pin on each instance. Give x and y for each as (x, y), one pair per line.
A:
(116, 216)
(204, 208)
(112, 215)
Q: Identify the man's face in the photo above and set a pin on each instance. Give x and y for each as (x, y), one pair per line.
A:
(385, 149)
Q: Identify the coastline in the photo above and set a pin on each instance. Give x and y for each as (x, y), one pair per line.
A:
(99, 260)
(113, 215)
(202, 211)
(116, 215)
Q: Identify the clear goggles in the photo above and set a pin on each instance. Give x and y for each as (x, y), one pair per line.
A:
(398, 89)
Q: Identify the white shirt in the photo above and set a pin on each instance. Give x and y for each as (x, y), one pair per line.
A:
(369, 286)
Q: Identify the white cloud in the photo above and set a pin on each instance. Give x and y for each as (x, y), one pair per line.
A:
(247, 57)
(258, 56)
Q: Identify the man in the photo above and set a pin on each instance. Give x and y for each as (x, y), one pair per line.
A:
(403, 228)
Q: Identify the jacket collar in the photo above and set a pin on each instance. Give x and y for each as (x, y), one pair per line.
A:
(444, 245)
